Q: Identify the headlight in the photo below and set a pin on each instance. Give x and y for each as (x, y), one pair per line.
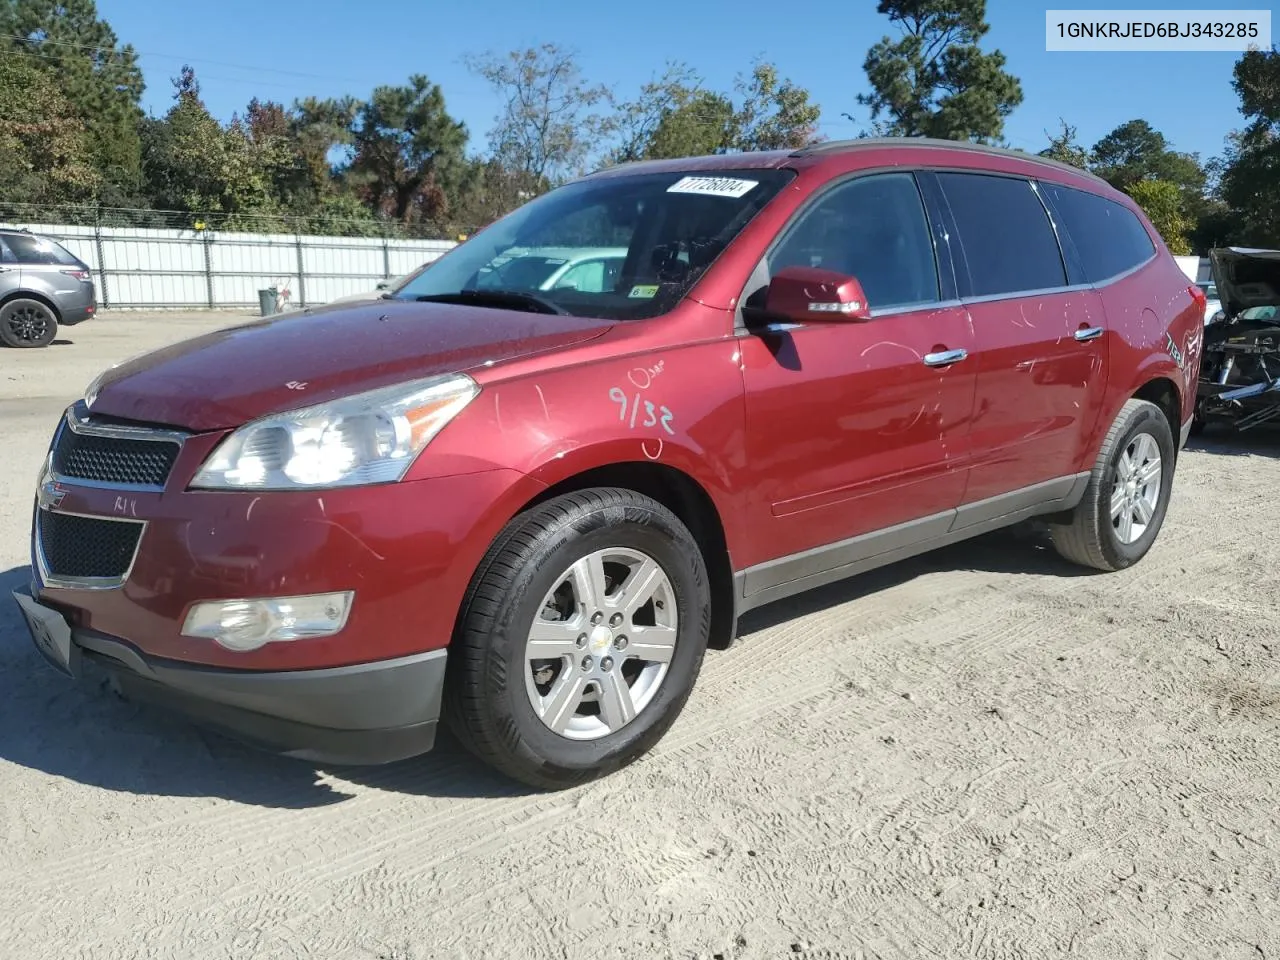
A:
(367, 438)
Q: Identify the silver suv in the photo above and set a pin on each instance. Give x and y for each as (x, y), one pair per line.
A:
(42, 285)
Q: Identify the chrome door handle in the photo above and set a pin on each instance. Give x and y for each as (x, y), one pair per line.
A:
(1089, 333)
(944, 358)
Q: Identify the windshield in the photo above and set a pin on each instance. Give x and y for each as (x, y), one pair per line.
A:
(619, 248)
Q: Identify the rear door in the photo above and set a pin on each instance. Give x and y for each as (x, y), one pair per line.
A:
(852, 427)
(1040, 342)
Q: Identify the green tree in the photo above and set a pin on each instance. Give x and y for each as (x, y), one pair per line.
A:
(674, 116)
(705, 123)
(637, 122)
(44, 150)
(193, 163)
(409, 152)
(1065, 148)
(96, 74)
(316, 128)
(1135, 151)
(935, 80)
(1250, 180)
(549, 127)
(774, 114)
(1163, 204)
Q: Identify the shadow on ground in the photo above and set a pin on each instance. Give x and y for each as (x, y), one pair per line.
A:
(1022, 549)
(84, 732)
(1223, 440)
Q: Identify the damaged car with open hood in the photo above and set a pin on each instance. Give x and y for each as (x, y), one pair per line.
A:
(1240, 372)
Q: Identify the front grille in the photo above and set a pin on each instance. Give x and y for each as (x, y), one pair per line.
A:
(75, 547)
(87, 456)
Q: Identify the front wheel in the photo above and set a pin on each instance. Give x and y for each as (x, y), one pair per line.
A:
(580, 638)
(1125, 502)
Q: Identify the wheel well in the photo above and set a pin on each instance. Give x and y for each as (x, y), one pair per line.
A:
(1164, 394)
(686, 498)
(32, 295)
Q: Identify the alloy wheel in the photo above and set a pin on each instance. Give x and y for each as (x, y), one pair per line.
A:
(601, 644)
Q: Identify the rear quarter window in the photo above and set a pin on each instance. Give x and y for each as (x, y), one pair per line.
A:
(39, 250)
(1005, 233)
(1108, 238)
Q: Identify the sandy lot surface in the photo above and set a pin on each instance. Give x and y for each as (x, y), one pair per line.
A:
(983, 753)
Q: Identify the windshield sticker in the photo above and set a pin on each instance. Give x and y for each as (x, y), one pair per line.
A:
(713, 186)
(644, 291)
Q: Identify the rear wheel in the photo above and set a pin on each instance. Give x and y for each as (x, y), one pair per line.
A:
(1124, 505)
(580, 638)
(27, 323)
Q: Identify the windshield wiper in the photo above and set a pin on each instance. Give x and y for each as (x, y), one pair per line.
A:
(511, 299)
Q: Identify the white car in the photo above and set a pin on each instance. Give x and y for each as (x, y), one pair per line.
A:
(1213, 306)
(383, 287)
(587, 269)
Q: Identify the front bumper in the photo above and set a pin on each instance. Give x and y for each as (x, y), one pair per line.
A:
(407, 550)
(369, 713)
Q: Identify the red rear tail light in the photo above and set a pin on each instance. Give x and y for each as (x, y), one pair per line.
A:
(78, 274)
(1198, 296)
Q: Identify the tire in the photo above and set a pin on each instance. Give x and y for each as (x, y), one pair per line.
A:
(1094, 536)
(27, 323)
(496, 694)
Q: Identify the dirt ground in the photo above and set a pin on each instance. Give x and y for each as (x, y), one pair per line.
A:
(981, 754)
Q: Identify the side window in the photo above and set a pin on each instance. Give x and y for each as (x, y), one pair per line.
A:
(1006, 235)
(1108, 237)
(31, 249)
(872, 228)
(6, 255)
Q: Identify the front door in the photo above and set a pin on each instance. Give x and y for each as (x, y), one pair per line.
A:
(855, 427)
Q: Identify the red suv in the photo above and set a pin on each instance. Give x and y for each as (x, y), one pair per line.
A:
(526, 509)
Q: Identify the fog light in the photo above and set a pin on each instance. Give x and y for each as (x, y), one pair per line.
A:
(244, 625)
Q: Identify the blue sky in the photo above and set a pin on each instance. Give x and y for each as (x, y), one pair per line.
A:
(284, 49)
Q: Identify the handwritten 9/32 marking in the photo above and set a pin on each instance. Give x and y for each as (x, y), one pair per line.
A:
(654, 414)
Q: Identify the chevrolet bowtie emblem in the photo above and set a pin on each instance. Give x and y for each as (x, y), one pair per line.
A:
(51, 494)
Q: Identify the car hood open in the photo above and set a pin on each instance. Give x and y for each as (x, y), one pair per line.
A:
(1246, 278)
(227, 378)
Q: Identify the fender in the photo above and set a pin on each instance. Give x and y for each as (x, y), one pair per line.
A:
(681, 407)
(708, 475)
(1155, 366)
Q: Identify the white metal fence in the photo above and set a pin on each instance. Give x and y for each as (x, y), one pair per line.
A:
(142, 268)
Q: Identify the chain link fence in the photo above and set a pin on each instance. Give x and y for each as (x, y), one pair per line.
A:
(160, 259)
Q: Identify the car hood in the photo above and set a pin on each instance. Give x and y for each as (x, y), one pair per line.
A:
(230, 377)
(1246, 278)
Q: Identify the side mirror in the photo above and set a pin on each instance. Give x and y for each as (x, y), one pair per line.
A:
(813, 295)
(383, 285)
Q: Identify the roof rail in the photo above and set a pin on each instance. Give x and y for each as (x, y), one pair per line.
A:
(865, 143)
